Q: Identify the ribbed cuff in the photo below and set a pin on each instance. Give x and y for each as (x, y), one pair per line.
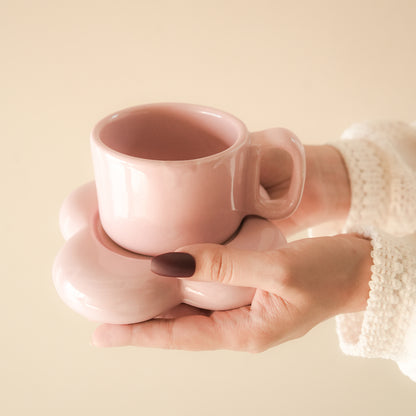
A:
(380, 331)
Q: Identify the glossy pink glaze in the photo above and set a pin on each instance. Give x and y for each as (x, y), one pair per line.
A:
(106, 283)
(170, 175)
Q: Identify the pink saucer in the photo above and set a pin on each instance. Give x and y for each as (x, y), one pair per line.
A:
(106, 283)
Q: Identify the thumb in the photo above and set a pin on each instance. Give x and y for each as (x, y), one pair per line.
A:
(222, 264)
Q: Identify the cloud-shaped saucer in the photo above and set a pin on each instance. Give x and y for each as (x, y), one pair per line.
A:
(106, 283)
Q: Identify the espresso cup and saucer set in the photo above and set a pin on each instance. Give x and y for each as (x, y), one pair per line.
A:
(167, 175)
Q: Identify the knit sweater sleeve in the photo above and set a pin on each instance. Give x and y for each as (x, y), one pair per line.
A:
(387, 328)
(381, 161)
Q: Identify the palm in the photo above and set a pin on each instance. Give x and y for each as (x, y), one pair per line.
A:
(264, 323)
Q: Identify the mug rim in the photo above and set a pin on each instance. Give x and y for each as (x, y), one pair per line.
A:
(239, 142)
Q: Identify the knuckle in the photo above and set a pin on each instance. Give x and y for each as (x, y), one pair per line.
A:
(220, 266)
(170, 341)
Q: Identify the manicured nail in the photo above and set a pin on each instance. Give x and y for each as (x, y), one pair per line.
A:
(173, 265)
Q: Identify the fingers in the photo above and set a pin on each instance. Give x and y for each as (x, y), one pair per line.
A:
(221, 330)
(222, 264)
(276, 172)
(326, 271)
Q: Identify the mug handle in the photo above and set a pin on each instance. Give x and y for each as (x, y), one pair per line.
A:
(262, 141)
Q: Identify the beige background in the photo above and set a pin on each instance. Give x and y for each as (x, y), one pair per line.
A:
(313, 66)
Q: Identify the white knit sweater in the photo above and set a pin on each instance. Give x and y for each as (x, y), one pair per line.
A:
(381, 161)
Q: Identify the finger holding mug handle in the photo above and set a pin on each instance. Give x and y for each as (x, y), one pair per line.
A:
(262, 142)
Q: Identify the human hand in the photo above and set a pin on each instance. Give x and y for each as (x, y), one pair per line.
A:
(300, 285)
(326, 195)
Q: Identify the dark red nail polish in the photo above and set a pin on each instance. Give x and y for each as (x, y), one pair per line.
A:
(173, 265)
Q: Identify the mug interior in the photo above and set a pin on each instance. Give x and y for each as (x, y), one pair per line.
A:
(170, 132)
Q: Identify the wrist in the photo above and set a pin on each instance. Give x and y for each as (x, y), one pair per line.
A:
(358, 272)
(327, 185)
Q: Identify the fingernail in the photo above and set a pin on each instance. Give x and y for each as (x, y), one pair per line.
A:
(173, 265)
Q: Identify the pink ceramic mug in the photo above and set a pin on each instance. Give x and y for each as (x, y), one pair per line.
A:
(168, 175)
